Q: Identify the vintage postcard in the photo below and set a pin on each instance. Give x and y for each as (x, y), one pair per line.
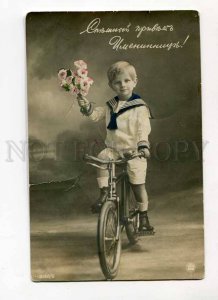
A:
(115, 145)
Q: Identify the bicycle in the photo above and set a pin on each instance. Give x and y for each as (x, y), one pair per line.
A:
(116, 214)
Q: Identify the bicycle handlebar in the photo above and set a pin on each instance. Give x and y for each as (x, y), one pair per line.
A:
(102, 161)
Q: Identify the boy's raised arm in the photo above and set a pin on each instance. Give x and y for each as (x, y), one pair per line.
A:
(94, 113)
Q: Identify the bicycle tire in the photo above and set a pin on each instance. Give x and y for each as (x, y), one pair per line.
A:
(131, 225)
(109, 249)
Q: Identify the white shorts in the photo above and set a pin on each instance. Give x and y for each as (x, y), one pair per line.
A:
(136, 168)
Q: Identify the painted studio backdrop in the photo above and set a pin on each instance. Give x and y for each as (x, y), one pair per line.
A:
(164, 47)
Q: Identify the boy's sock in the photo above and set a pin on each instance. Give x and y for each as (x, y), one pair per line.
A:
(96, 207)
(142, 206)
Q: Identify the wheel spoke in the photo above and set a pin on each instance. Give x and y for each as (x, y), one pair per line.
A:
(111, 253)
(110, 238)
(112, 225)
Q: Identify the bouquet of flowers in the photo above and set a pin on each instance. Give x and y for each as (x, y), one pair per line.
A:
(76, 82)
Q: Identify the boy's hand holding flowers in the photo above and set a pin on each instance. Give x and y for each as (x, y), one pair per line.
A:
(82, 101)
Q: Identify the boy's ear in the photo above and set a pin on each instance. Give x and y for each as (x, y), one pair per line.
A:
(109, 83)
(135, 81)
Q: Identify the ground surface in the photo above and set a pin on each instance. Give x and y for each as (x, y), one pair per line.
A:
(65, 248)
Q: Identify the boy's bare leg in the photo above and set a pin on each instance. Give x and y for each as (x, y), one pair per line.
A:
(142, 200)
(140, 196)
(102, 179)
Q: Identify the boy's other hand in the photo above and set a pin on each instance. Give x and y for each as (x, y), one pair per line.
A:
(145, 152)
(129, 154)
(133, 154)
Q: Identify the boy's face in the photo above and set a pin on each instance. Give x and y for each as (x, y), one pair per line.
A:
(123, 85)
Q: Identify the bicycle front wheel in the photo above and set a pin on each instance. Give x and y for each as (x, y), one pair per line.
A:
(109, 240)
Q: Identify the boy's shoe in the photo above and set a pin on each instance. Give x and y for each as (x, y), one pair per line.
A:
(96, 207)
(144, 225)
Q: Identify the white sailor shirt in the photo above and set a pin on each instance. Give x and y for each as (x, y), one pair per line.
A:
(133, 125)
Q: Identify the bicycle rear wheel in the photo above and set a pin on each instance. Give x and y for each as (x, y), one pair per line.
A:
(131, 208)
(109, 242)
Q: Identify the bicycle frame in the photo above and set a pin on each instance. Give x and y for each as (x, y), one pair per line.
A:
(122, 202)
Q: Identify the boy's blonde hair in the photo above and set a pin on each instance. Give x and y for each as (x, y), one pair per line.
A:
(118, 67)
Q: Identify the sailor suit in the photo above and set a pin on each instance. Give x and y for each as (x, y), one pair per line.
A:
(128, 128)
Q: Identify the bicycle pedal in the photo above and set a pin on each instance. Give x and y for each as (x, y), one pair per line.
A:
(146, 233)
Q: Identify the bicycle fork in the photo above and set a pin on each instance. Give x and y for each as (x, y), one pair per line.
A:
(113, 195)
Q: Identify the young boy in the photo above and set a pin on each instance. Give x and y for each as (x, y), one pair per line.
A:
(128, 126)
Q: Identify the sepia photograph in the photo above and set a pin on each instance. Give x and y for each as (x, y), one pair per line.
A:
(115, 145)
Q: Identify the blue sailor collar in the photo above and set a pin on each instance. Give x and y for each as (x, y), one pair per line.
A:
(133, 97)
(132, 102)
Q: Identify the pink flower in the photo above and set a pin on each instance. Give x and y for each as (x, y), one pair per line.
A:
(74, 74)
(90, 80)
(69, 79)
(74, 90)
(62, 74)
(82, 73)
(77, 80)
(84, 84)
(80, 64)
